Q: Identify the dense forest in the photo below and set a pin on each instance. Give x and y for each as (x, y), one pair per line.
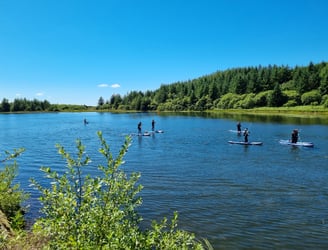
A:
(239, 88)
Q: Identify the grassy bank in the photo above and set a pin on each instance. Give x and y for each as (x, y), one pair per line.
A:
(295, 111)
(298, 110)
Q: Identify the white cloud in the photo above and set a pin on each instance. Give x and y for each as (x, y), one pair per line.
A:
(115, 86)
(18, 95)
(103, 85)
(39, 94)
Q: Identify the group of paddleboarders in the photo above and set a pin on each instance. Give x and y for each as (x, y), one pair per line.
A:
(294, 137)
(152, 126)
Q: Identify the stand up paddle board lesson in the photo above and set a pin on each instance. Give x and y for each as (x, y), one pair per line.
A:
(147, 133)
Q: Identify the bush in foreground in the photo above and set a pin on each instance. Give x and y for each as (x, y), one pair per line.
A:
(84, 212)
(11, 195)
(11, 198)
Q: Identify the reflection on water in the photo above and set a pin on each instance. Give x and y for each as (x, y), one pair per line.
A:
(261, 118)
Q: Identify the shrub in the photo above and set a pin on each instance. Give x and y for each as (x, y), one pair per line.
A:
(312, 97)
(290, 103)
(293, 97)
(324, 100)
(248, 102)
(261, 99)
(11, 196)
(84, 212)
(228, 100)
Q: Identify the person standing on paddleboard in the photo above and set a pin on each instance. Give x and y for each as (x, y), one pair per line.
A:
(139, 127)
(238, 127)
(295, 136)
(246, 133)
(153, 125)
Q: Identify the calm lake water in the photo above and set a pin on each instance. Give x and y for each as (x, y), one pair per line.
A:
(270, 196)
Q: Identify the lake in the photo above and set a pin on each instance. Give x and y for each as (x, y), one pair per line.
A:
(270, 196)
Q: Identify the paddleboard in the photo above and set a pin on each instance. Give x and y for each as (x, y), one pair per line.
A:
(235, 131)
(258, 143)
(147, 134)
(299, 144)
(142, 134)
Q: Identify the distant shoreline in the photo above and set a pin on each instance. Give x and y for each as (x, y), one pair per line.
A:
(295, 111)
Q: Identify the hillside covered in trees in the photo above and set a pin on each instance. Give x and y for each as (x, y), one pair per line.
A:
(239, 88)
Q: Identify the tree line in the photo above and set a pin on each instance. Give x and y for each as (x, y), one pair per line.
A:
(238, 88)
(248, 87)
(24, 105)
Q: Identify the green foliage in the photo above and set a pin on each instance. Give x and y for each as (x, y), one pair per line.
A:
(293, 96)
(248, 102)
(311, 98)
(11, 196)
(24, 105)
(276, 97)
(324, 80)
(227, 101)
(71, 107)
(325, 101)
(5, 105)
(84, 212)
(287, 86)
(208, 92)
(101, 101)
(238, 84)
(212, 91)
(27, 105)
(261, 99)
(164, 236)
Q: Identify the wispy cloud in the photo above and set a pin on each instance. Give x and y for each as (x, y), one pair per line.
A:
(39, 94)
(115, 86)
(18, 95)
(103, 85)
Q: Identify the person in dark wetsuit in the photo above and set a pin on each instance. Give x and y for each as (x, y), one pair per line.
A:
(295, 136)
(139, 127)
(246, 133)
(238, 127)
(153, 125)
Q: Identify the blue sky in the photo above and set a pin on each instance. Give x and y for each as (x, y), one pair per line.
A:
(74, 51)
